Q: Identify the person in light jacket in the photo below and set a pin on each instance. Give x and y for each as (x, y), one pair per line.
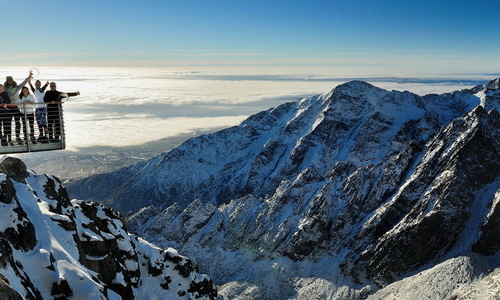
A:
(12, 90)
(26, 103)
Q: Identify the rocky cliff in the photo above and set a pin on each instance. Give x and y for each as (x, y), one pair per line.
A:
(55, 248)
(337, 195)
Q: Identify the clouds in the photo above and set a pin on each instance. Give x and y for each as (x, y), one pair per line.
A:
(127, 130)
(336, 62)
(124, 115)
(132, 106)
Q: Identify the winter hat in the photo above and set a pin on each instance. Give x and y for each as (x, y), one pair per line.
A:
(14, 84)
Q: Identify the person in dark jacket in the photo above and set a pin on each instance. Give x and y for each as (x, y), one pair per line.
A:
(5, 122)
(53, 99)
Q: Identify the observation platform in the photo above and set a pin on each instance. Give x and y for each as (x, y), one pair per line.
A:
(28, 120)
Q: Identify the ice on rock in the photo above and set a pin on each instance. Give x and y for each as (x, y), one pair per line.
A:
(51, 247)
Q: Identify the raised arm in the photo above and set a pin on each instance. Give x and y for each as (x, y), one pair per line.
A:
(45, 86)
(31, 86)
(20, 87)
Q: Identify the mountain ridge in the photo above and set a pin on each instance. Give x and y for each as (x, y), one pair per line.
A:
(264, 121)
(357, 178)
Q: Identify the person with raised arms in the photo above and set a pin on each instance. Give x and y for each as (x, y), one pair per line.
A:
(41, 109)
(12, 91)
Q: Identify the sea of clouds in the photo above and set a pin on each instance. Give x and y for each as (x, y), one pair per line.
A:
(125, 115)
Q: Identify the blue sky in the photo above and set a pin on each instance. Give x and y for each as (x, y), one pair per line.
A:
(384, 37)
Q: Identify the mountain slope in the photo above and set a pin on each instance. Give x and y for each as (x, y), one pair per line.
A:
(52, 247)
(356, 122)
(337, 195)
(452, 279)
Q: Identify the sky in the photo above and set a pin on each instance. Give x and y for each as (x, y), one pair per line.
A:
(195, 66)
(373, 38)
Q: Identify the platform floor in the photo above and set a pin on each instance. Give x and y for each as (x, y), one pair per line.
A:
(31, 147)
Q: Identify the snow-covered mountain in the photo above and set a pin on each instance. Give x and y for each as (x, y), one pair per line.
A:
(54, 248)
(335, 196)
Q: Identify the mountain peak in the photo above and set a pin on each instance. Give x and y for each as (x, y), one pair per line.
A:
(358, 83)
(493, 85)
(355, 87)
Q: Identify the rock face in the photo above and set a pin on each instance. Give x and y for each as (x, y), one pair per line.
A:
(54, 248)
(447, 280)
(7, 292)
(358, 185)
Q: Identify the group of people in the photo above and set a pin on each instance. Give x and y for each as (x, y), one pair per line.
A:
(16, 101)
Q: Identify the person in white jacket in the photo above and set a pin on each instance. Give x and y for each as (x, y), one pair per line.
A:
(41, 108)
(26, 104)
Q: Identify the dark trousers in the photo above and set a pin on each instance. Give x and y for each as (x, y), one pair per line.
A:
(5, 122)
(31, 122)
(53, 120)
(15, 114)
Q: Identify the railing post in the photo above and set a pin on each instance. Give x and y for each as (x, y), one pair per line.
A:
(25, 133)
(61, 124)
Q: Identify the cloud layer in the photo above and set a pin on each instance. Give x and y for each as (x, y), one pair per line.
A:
(133, 106)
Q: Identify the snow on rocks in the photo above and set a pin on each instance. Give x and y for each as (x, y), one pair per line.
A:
(447, 280)
(51, 247)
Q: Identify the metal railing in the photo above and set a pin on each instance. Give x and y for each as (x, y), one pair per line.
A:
(22, 130)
